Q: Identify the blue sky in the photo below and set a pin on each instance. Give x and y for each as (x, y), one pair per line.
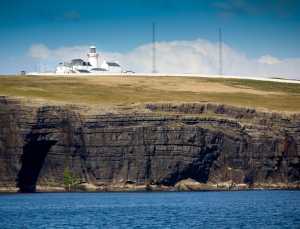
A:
(254, 28)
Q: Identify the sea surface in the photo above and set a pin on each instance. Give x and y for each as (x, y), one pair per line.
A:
(244, 209)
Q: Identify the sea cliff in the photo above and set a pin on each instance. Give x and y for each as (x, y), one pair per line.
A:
(162, 146)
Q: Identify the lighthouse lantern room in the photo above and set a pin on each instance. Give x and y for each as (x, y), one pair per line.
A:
(93, 57)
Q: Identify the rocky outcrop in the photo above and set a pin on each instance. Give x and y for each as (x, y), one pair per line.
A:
(214, 146)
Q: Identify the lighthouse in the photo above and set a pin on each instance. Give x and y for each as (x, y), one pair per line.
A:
(93, 57)
(91, 65)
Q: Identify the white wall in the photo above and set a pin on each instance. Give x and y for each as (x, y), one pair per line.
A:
(93, 59)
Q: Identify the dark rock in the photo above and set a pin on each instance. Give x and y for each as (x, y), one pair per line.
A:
(146, 150)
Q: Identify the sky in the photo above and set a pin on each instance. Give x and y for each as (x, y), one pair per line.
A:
(261, 37)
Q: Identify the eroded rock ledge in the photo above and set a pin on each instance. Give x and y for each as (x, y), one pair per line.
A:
(186, 147)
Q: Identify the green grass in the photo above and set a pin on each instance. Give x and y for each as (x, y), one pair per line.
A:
(85, 90)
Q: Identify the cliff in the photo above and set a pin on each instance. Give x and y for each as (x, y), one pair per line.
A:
(192, 146)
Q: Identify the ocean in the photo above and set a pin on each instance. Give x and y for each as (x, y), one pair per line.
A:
(243, 209)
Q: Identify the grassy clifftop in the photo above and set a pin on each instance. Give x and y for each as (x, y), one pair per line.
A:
(113, 90)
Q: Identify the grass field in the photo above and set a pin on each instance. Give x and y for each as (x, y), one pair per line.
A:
(113, 90)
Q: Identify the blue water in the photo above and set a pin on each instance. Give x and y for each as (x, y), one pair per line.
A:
(248, 209)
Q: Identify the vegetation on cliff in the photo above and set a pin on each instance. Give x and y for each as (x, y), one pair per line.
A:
(70, 180)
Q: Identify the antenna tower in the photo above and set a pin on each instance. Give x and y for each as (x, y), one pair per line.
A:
(153, 49)
(220, 52)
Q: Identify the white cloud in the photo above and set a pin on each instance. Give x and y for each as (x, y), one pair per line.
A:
(39, 51)
(268, 59)
(196, 56)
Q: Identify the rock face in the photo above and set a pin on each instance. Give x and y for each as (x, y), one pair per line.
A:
(210, 144)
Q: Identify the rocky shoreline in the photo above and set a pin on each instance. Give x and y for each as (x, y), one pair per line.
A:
(182, 186)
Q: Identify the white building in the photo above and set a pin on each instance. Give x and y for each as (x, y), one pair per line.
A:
(64, 68)
(92, 65)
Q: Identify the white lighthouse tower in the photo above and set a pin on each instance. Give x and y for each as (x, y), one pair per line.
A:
(93, 57)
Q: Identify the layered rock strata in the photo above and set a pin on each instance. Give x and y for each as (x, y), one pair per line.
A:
(165, 147)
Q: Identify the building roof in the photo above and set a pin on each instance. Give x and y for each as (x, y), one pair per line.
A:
(82, 71)
(113, 64)
(65, 64)
(77, 62)
(98, 69)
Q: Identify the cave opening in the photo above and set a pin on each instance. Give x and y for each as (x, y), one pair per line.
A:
(198, 169)
(32, 160)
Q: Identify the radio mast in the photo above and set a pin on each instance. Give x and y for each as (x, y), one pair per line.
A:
(220, 52)
(153, 49)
